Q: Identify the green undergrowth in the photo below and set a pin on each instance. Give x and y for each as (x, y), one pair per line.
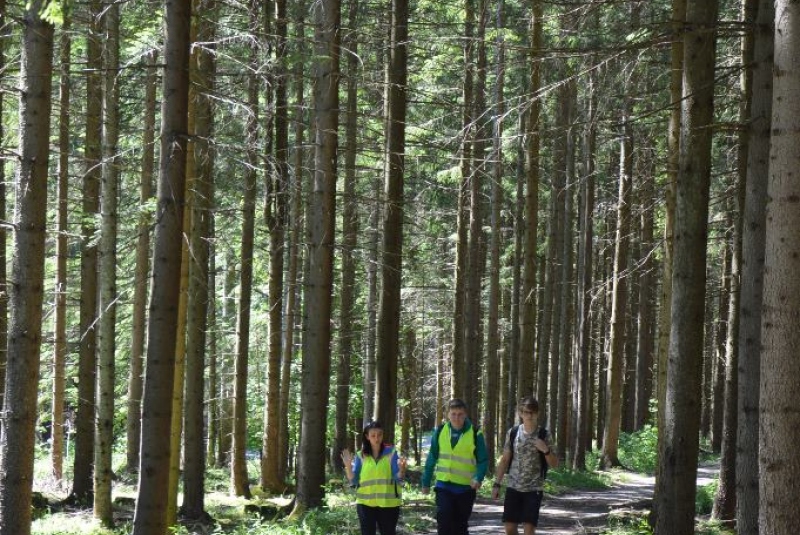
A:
(635, 523)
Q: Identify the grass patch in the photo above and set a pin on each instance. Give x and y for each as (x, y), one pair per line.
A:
(635, 523)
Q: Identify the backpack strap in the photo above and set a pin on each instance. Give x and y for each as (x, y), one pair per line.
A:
(542, 434)
(511, 439)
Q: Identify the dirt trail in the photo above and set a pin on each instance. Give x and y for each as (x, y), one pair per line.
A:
(579, 512)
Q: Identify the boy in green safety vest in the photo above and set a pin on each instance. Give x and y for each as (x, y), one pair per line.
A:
(377, 473)
(458, 457)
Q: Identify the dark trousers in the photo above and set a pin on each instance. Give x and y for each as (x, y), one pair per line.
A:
(383, 518)
(453, 510)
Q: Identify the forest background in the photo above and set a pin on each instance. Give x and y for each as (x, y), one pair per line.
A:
(363, 209)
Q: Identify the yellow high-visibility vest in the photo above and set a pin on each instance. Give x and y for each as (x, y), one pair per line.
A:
(456, 465)
(376, 487)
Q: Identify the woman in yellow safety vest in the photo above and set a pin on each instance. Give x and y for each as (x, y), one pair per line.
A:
(377, 472)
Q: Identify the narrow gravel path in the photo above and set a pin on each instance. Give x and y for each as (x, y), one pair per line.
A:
(579, 512)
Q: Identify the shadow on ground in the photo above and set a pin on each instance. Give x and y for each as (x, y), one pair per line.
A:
(582, 511)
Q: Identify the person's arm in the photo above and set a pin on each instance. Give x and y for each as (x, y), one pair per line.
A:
(430, 462)
(481, 461)
(347, 461)
(500, 473)
(398, 467)
(544, 447)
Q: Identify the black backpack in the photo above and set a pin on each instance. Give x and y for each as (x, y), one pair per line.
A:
(542, 434)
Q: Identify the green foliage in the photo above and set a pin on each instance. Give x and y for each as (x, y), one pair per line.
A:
(561, 480)
(635, 523)
(704, 501)
(638, 451)
(628, 523)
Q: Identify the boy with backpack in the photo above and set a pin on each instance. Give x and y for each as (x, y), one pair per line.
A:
(526, 457)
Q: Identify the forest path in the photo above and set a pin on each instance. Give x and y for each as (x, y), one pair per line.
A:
(581, 511)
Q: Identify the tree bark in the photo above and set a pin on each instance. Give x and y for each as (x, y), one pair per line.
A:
(665, 301)
(391, 267)
(142, 271)
(582, 374)
(619, 301)
(647, 308)
(106, 362)
(459, 356)
(349, 243)
(752, 288)
(720, 337)
(83, 466)
(493, 335)
(200, 176)
(527, 316)
(239, 481)
(3, 243)
(277, 229)
(27, 274)
(150, 515)
(60, 327)
(780, 365)
(295, 232)
(725, 499)
(315, 384)
(678, 486)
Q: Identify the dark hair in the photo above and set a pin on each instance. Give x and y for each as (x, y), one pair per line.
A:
(456, 403)
(528, 403)
(366, 447)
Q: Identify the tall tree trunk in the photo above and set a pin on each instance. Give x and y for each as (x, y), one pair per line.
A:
(106, 362)
(527, 316)
(277, 205)
(150, 516)
(752, 288)
(473, 309)
(391, 266)
(347, 298)
(780, 365)
(239, 482)
(459, 358)
(725, 499)
(200, 177)
(514, 355)
(225, 449)
(3, 242)
(295, 232)
(567, 296)
(494, 387)
(60, 327)
(214, 361)
(83, 467)
(665, 301)
(582, 375)
(315, 384)
(619, 300)
(720, 337)
(647, 309)
(179, 377)
(368, 371)
(678, 486)
(141, 273)
(27, 272)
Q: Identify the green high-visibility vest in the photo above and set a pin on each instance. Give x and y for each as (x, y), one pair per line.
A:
(376, 487)
(456, 465)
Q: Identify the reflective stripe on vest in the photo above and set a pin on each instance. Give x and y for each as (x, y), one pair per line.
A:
(456, 465)
(376, 487)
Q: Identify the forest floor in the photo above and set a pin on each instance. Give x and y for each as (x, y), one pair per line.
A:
(579, 511)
